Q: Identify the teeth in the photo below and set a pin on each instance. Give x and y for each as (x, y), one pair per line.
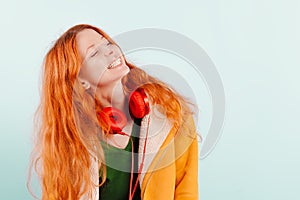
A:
(115, 63)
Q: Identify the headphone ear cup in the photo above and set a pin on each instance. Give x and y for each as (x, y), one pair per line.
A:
(139, 104)
(114, 118)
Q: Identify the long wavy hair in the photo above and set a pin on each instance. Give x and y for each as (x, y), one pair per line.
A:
(67, 130)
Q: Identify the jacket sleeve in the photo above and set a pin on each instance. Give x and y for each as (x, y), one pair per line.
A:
(186, 148)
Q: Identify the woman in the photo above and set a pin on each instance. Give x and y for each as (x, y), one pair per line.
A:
(84, 73)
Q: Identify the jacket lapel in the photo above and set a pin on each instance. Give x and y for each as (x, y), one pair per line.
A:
(154, 130)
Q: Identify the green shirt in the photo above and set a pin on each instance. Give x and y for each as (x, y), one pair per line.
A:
(118, 170)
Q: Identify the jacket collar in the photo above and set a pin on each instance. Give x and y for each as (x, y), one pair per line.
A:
(154, 130)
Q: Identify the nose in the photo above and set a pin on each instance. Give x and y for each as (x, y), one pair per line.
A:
(108, 51)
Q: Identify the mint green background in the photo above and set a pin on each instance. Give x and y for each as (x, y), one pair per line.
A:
(254, 44)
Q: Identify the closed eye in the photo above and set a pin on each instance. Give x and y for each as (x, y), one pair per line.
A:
(94, 53)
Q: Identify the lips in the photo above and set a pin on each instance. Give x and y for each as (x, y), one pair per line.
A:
(115, 64)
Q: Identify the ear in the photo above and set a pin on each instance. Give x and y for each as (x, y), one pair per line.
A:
(85, 83)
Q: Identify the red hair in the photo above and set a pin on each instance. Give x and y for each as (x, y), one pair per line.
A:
(67, 128)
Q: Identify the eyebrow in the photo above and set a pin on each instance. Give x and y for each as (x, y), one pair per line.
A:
(92, 45)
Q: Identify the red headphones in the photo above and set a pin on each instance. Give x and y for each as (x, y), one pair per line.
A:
(116, 119)
(138, 108)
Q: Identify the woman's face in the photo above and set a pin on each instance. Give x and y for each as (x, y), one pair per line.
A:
(103, 62)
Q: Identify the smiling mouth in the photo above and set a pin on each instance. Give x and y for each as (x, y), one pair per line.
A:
(115, 64)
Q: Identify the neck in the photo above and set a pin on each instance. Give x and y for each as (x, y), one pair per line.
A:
(112, 95)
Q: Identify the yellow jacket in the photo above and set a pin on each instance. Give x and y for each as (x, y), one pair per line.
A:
(173, 173)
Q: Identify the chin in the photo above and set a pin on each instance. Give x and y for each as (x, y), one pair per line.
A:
(126, 70)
